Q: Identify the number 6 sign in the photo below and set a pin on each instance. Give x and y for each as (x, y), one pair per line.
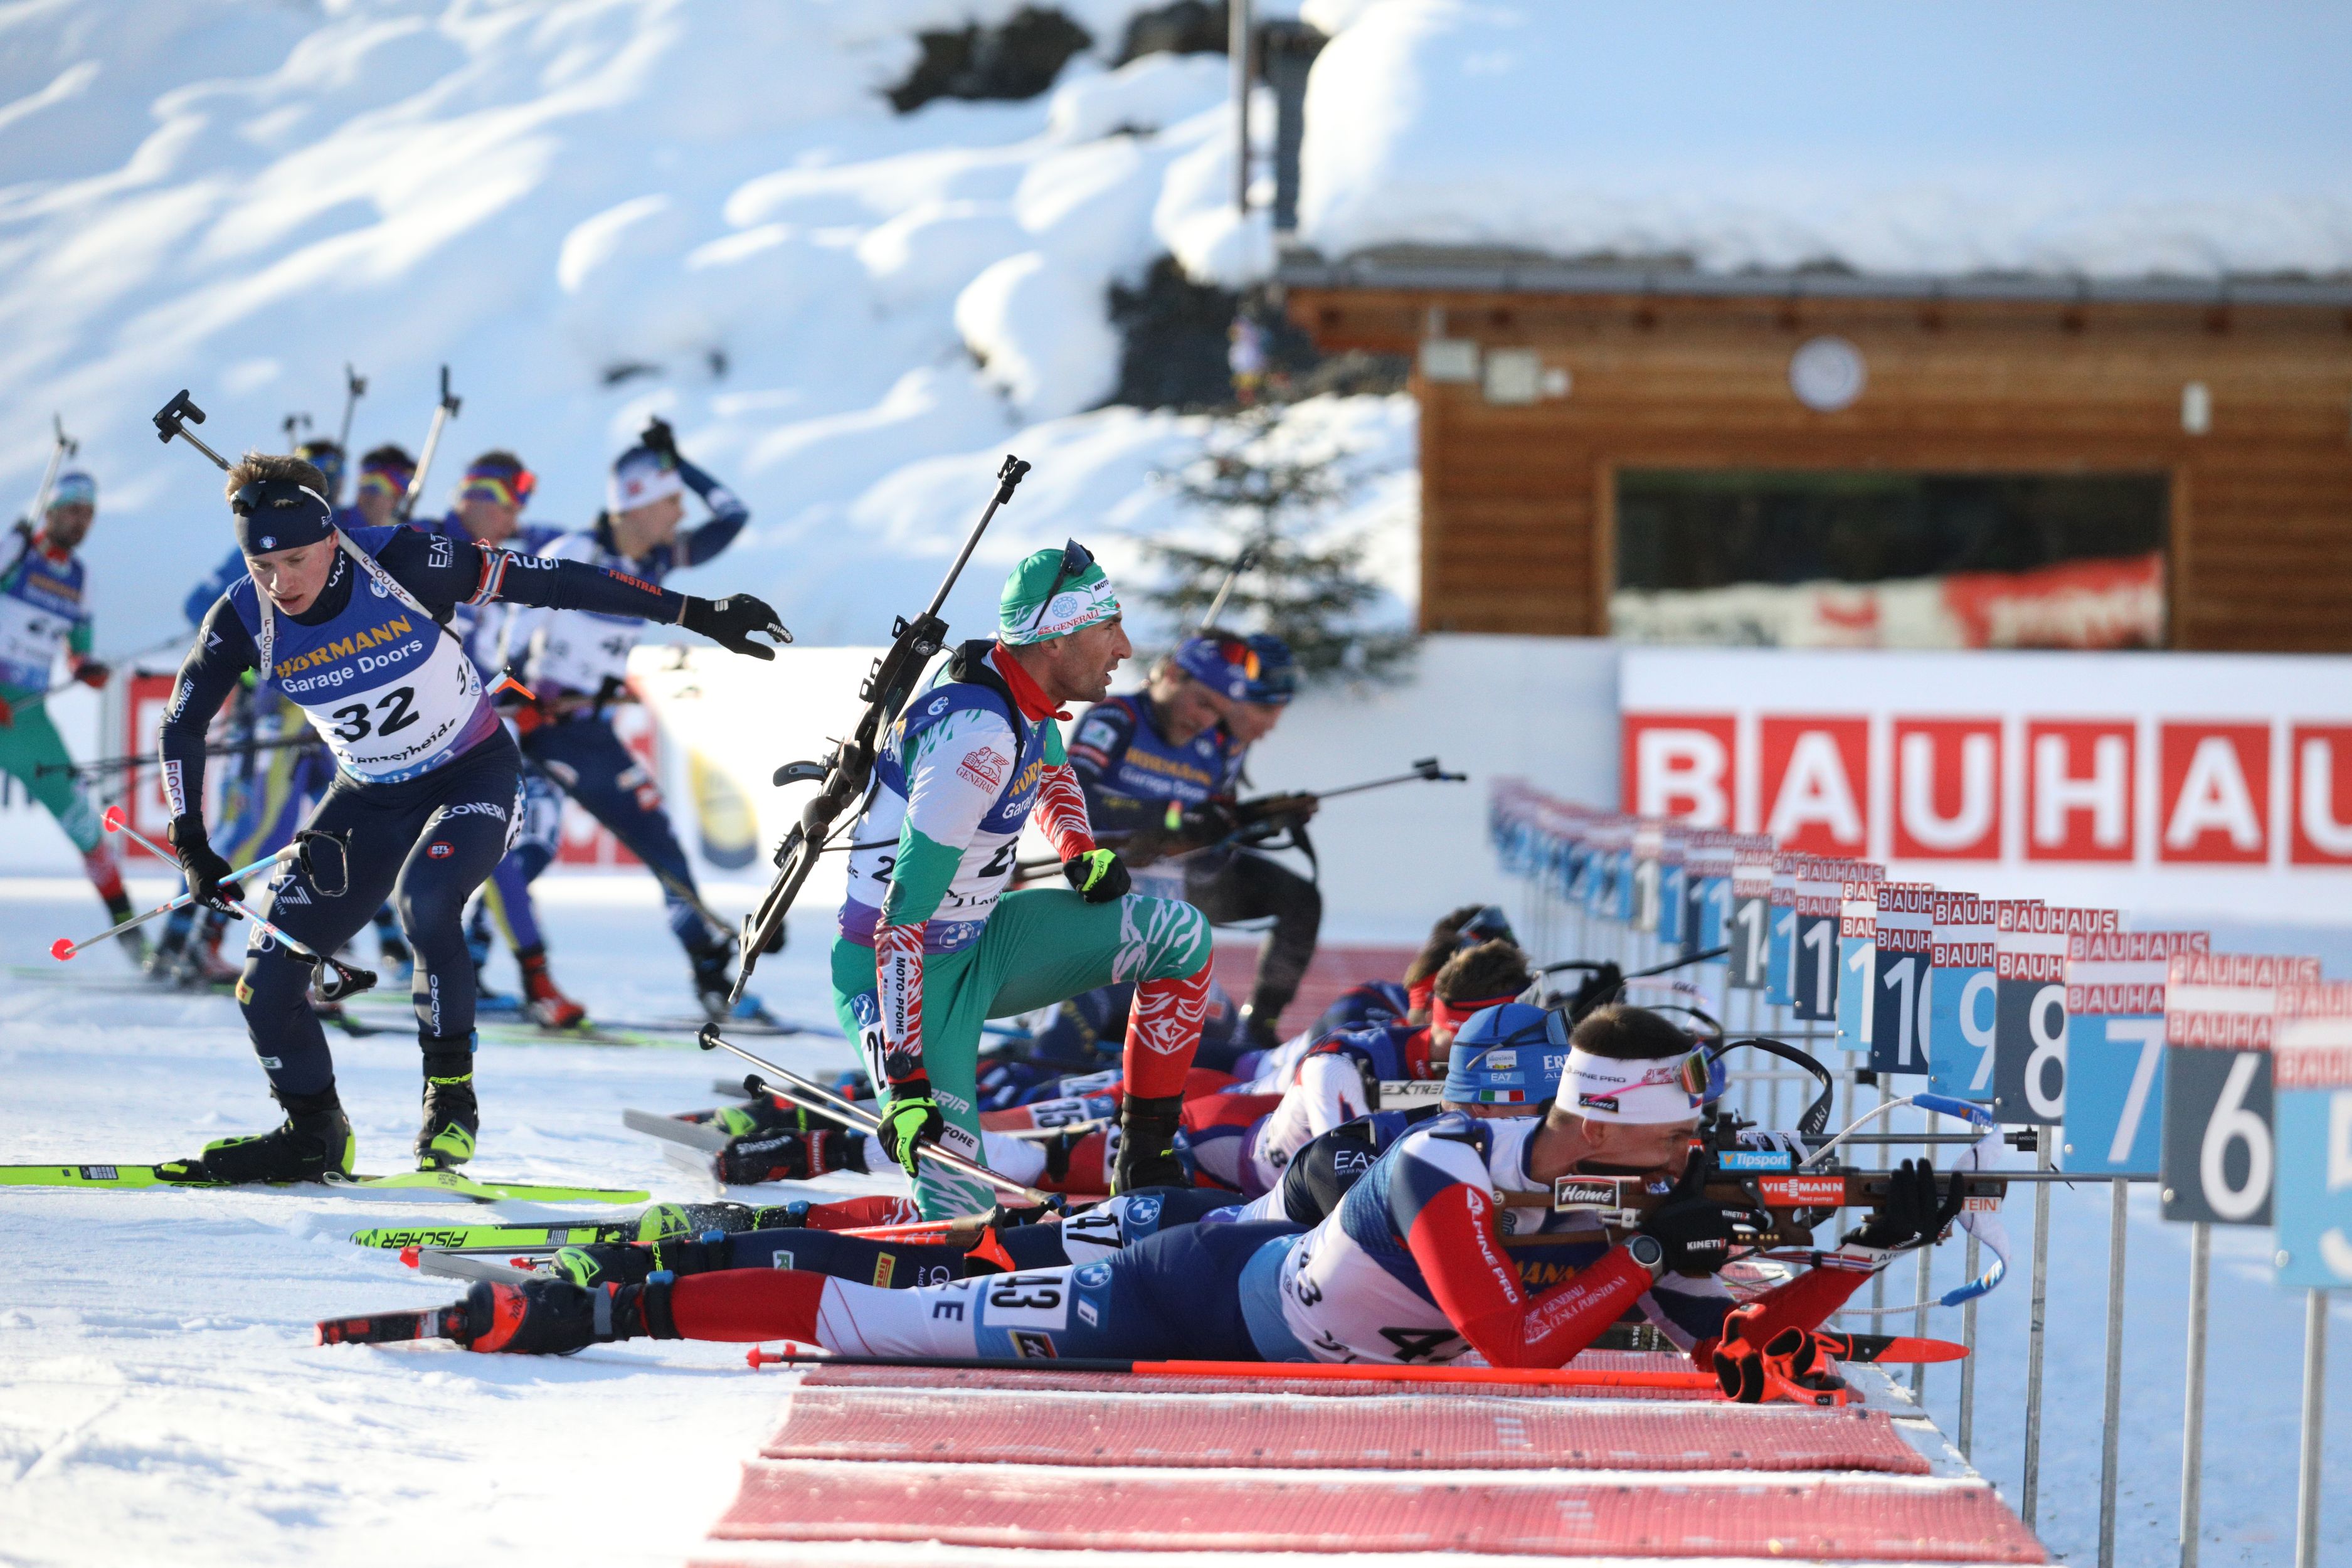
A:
(2218, 1157)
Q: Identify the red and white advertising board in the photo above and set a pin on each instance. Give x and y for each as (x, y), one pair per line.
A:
(2206, 782)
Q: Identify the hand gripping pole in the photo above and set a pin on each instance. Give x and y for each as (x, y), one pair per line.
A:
(774, 1080)
(172, 420)
(345, 981)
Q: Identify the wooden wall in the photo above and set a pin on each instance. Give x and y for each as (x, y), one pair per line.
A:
(1517, 502)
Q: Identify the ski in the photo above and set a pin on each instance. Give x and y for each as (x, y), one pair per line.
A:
(1891, 1348)
(420, 1183)
(463, 1266)
(395, 1328)
(675, 1130)
(645, 1225)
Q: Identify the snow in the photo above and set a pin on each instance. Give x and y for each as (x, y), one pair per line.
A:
(2077, 139)
(591, 212)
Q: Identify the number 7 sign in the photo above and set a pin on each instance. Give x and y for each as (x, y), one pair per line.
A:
(2115, 1047)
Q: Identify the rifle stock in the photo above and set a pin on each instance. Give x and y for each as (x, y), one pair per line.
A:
(1786, 1205)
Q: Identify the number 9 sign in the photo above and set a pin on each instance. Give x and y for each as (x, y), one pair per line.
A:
(2311, 1052)
(2218, 1156)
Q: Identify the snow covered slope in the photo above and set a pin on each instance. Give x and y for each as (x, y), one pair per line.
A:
(592, 211)
(2116, 141)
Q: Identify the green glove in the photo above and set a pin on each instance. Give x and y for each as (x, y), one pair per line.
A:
(1097, 876)
(911, 1116)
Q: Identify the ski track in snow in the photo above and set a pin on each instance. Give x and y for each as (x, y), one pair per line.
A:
(160, 1399)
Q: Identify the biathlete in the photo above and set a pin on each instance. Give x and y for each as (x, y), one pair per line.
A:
(44, 616)
(577, 664)
(350, 625)
(1161, 767)
(931, 945)
(1408, 1266)
(488, 510)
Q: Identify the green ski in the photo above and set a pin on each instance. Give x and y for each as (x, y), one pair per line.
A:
(649, 1224)
(445, 1183)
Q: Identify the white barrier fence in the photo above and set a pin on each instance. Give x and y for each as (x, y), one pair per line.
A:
(2123, 1056)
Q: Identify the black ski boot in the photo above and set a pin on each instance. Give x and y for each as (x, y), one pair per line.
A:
(452, 1120)
(714, 977)
(1147, 1144)
(314, 1141)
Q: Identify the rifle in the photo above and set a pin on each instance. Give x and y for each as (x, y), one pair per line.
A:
(61, 446)
(442, 413)
(849, 770)
(136, 760)
(354, 388)
(1783, 1204)
(1259, 820)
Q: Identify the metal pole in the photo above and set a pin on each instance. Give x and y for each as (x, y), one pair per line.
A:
(1968, 1362)
(2031, 1495)
(2111, 1438)
(1878, 1161)
(2314, 1389)
(2193, 1420)
(1926, 1289)
(1238, 51)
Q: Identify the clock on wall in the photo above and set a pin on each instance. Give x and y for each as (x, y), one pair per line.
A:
(1826, 374)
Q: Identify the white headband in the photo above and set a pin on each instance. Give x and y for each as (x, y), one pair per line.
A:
(1604, 1089)
(636, 487)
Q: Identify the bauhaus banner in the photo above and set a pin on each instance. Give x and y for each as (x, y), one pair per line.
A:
(2211, 782)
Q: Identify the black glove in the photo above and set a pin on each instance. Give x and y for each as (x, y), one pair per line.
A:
(790, 1156)
(1600, 988)
(555, 1317)
(1696, 1232)
(1208, 822)
(1098, 876)
(730, 622)
(1915, 1214)
(657, 436)
(207, 872)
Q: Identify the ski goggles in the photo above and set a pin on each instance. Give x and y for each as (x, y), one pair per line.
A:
(1226, 666)
(1666, 1089)
(1076, 559)
(505, 486)
(1451, 1016)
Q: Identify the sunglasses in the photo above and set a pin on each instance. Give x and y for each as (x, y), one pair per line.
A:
(1076, 559)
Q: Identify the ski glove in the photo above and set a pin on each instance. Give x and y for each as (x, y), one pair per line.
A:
(1098, 876)
(658, 437)
(912, 1116)
(1914, 1215)
(1696, 1232)
(1208, 822)
(207, 872)
(731, 621)
(91, 672)
(789, 1156)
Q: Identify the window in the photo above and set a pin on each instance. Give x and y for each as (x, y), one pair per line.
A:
(1890, 559)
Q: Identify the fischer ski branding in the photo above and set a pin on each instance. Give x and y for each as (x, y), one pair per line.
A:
(419, 1182)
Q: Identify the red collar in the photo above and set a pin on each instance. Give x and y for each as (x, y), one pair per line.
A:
(1026, 693)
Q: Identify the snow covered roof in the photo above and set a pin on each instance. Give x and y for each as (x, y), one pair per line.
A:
(2079, 141)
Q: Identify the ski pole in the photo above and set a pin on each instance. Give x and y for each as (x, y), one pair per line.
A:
(292, 423)
(1241, 563)
(172, 420)
(776, 1080)
(442, 413)
(65, 947)
(61, 447)
(141, 759)
(347, 981)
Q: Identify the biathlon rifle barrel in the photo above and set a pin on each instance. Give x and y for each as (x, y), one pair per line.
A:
(443, 412)
(354, 388)
(61, 446)
(846, 774)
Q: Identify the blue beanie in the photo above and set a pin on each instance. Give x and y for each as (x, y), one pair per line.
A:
(1276, 682)
(1225, 665)
(1506, 1055)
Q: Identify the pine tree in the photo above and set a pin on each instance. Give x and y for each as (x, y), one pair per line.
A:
(1298, 582)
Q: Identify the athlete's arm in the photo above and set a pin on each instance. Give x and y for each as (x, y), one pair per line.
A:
(223, 652)
(728, 516)
(444, 573)
(1441, 1205)
(207, 592)
(944, 808)
(1061, 809)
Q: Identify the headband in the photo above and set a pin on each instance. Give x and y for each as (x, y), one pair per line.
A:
(1647, 1092)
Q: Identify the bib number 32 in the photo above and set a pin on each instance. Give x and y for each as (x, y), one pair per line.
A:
(394, 712)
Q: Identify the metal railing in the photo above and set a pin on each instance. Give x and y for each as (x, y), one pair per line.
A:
(1554, 926)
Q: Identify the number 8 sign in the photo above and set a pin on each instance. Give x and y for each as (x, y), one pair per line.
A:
(2218, 1158)
(2312, 1051)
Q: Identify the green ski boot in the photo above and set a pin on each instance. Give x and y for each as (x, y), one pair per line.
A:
(452, 1120)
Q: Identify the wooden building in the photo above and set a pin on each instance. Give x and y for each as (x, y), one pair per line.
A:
(1542, 386)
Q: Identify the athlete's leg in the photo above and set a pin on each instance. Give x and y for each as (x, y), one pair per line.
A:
(1245, 886)
(32, 750)
(463, 834)
(955, 1004)
(595, 769)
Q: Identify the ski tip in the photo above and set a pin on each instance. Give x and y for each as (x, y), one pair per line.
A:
(62, 948)
(114, 819)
